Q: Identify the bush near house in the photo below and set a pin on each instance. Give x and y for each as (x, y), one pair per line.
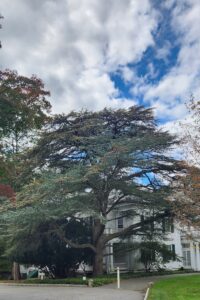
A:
(79, 281)
(99, 280)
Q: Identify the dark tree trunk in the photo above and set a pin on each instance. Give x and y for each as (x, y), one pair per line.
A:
(98, 262)
(16, 271)
(98, 241)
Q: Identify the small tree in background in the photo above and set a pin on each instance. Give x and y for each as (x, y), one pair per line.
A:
(186, 200)
(23, 111)
(187, 197)
(191, 133)
(23, 108)
(154, 255)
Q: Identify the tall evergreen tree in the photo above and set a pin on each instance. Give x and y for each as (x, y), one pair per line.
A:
(92, 164)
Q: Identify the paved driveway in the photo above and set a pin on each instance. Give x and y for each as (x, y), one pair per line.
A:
(140, 284)
(131, 289)
(65, 293)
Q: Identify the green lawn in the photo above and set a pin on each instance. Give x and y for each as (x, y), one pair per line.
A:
(176, 288)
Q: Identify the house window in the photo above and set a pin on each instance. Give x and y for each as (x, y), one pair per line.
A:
(168, 225)
(186, 258)
(149, 226)
(186, 245)
(173, 250)
(120, 222)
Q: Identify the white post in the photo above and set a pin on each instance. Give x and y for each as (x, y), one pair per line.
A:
(111, 258)
(118, 278)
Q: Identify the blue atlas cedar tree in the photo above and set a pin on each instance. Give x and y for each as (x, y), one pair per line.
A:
(93, 163)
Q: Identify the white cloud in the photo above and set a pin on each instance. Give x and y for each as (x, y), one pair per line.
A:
(170, 93)
(164, 52)
(74, 45)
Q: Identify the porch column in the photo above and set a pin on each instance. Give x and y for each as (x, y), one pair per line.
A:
(111, 258)
(193, 256)
(197, 256)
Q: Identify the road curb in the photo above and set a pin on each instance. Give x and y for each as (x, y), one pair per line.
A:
(147, 294)
(148, 289)
(43, 284)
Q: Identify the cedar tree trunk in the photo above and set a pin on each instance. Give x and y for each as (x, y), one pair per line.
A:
(98, 240)
(16, 271)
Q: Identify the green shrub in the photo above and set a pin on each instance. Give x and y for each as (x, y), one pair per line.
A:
(96, 281)
(102, 281)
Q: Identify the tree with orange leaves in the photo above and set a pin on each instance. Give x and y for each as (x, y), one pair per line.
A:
(23, 108)
(23, 111)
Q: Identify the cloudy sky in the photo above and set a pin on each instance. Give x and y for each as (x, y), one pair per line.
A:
(116, 53)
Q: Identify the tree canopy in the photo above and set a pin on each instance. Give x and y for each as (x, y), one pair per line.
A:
(23, 107)
(190, 133)
(93, 163)
(187, 205)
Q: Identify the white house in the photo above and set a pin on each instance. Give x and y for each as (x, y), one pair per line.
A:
(184, 243)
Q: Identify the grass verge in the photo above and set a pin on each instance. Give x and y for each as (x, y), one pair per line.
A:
(176, 288)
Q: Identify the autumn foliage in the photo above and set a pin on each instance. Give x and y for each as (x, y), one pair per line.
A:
(187, 198)
(23, 106)
(6, 191)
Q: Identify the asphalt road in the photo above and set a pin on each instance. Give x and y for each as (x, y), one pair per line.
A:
(65, 293)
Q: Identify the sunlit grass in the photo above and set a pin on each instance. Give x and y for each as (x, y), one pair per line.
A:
(177, 288)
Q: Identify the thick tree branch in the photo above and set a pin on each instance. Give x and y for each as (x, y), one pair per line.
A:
(60, 233)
